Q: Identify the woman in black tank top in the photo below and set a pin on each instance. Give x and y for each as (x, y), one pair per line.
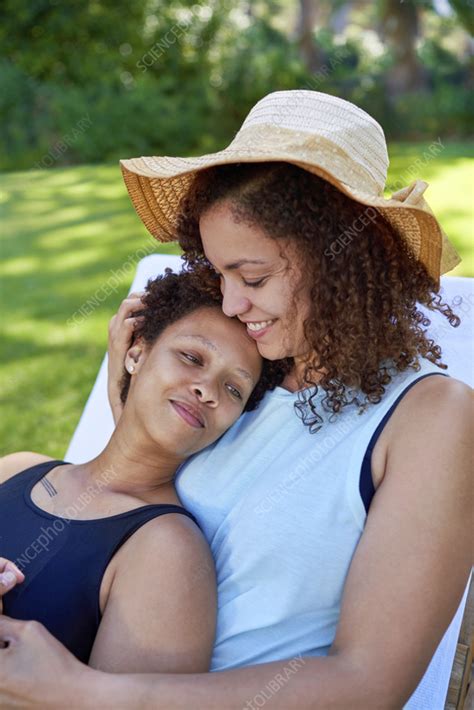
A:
(103, 553)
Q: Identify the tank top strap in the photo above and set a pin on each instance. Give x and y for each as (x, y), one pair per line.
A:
(144, 514)
(123, 527)
(366, 484)
(28, 478)
(31, 475)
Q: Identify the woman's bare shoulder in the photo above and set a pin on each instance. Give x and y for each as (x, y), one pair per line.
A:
(431, 405)
(434, 416)
(175, 535)
(19, 461)
(171, 541)
(434, 398)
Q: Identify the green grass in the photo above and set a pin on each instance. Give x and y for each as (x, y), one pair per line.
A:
(450, 174)
(65, 232)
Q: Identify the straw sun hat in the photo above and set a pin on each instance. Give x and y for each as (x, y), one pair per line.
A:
(321, 133)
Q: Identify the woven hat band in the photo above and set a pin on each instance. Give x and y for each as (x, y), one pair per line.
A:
(257, 143)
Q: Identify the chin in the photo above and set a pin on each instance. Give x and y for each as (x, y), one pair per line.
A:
(271, 351)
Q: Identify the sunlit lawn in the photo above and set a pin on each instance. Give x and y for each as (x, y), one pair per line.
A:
(65, 232)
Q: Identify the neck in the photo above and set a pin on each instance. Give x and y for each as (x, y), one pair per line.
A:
(131, 464)
(294, 380)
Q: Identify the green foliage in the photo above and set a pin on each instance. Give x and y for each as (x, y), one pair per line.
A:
(443, 112)
(97, 80)
(71, 43)
(465, 12)
(257, 61)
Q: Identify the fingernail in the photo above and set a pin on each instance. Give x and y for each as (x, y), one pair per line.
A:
(8, 577)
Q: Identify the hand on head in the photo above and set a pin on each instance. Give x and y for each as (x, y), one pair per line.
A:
(121, 330)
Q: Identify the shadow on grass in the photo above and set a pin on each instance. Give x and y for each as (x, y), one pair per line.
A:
(52, 263)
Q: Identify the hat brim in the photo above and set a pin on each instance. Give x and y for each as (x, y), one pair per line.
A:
(157, 185)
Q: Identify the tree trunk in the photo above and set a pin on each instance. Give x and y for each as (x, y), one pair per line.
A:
(340, 18)
(399, 29)
(310, 52)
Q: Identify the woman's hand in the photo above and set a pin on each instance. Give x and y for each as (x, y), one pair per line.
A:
(36, 671)
(121, 328)
(10, 576)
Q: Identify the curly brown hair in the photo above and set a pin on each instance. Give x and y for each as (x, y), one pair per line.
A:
(363, 281)
(172, 296)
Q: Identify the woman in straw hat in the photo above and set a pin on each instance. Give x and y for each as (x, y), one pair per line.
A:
(334, 508)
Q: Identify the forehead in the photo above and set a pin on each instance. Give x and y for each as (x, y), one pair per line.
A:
(227, 242)
(225, 337)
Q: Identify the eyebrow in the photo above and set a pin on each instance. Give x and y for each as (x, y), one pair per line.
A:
(209, 344)
(241, 262)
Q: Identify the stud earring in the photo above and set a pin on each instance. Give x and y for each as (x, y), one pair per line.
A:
(131, 369)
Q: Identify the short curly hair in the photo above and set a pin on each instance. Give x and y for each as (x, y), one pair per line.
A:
(364, 283)
(169, 298)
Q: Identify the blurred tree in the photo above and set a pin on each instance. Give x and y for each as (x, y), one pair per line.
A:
(340, 17)
(328, 16)
(465, 13)
(152, 75)
(74, 42)
(399, 29)
(310, 52)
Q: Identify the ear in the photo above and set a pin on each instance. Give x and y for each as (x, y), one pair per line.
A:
(136, 356)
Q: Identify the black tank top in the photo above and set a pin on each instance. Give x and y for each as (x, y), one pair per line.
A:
(63, 560)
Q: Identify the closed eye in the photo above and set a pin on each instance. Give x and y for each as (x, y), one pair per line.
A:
(254, 284)
(191, 358)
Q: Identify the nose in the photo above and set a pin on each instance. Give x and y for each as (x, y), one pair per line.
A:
(234, 303)
(206, 393)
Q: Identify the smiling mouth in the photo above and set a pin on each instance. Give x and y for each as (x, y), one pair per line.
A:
(257, 328)
(189, 416)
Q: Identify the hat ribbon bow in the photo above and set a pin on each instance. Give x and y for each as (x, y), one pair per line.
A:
(412, 195)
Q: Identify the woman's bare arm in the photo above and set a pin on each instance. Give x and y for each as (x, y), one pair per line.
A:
(404, 585)
(161, 610)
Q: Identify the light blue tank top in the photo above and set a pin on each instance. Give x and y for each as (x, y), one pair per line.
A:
(283, 513)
